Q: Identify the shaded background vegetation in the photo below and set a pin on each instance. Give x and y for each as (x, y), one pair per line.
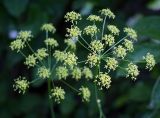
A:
(125, 98)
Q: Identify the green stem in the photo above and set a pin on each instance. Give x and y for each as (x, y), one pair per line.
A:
(69, 86)
(101, 114)
(50, 100)
(104, 22)
(84, 46)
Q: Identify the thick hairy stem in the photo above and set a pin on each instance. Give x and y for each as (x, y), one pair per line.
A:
(50, 100)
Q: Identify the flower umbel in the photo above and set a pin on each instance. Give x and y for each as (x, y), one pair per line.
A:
(132, 71)
(61, 72)
(17, 45)
(87, 73)
(25, 35)
(41, 53)
(85, 93)
(48, 28)
(44, 72)
(76, 73)
(108, 13)
(150, 61)
(113, 29)
(72, 16)
(21, 85)
(120, 51)
(131, 33)
(94, 18)
(109, 39)
(30, 61)
(58, 94)
(91, 30)
(96, 46)
(111, 63)
(103, 80)
(51, 42)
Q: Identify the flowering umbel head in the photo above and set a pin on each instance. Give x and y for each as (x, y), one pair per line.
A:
(43, 72)
(72, 17)
(94, 18)
(48, 28)
(91, 30)
(103, 80)
(21, 85)
(85, 93)
(111, 63)
(30, 61)
(61, 72)
(51, 42)
(150, 61)
(76, 73)
(108, 13)
(131, 33)
(17, 45)
(25, 35)
(132, 71)
(87, 73)
(58, 94)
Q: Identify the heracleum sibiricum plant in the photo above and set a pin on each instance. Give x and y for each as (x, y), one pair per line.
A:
(104, 46)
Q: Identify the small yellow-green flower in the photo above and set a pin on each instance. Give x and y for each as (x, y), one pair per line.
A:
(72, 16)
(113, 29)
(109, 39)
(70, 60)
(111, 63)
(58, 94)
(150, 61)
(132, 71)
(120, 51)
(96, 46)
(43, 72)
(91, 30)
(41, 53)
(21, 85)
(87, 73)
(103, 80)
(93, 59)
(30, 61)
(61, 72)
(59, 55)
(128, 45)
(17, 45)
(51, 42)
(76, 73)
(131, 33)
(25, 35)
(94, 18)
(48, 28)
(85, 93)
(108, 13)
(74, 31)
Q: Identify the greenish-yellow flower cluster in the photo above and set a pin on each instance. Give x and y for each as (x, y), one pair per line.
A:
(111, 63)
(97, 46)
(48, 28)
(76, 73)
(41, 53)
(61, 72)
(108, 13)
(85, 94)
(72, 16)
(91, 30)
(30, 61)
(113, 29)
(43, 72)
(87, 73)
(21, 85)
(150, 61)
(132, 71)
(94, 18)
(58, 94)
(51, 42)
(120, 51)
(109, 39)
(131, 33)
(103, 80)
